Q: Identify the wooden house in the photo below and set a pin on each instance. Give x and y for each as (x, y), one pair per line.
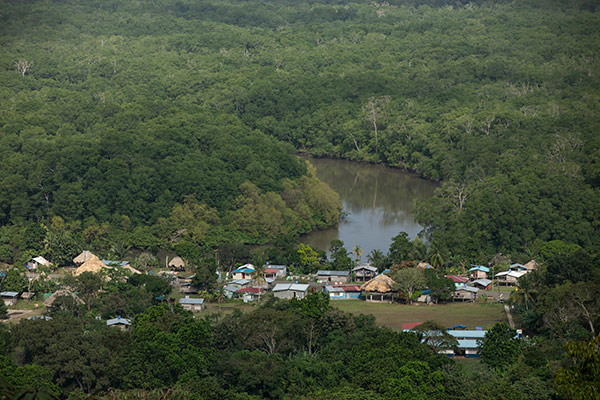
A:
(250, 294)
(459, 281)
(364, 272)
(481, 284)
(342, 292)
(479, 272)
(9, 298)
(508, 278)
(35, 262)
(290, 290)
(467, 293)
(332, 276)
(190, 304)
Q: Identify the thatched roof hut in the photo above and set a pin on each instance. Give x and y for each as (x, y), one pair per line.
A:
(177, 263)
(83, 257)
(93, 264)
(379, 284)
(531, 265)
(60, 293)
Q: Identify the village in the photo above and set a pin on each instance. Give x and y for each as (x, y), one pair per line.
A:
(248, 285)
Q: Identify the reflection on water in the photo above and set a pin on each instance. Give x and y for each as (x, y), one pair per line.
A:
(379, 202)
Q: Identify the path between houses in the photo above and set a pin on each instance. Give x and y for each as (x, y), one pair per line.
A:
(509, 316)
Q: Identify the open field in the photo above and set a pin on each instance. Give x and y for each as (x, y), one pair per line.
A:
(394, 315)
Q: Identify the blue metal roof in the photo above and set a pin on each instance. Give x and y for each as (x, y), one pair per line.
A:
(468, 344)
(480, 268)
(191, 301)
(117, 321)
(333, 273)
(468, 334)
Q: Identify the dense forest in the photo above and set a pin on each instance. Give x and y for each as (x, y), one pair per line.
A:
(176, 124)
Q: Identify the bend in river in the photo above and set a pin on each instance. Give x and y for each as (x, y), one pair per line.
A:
(379, 203)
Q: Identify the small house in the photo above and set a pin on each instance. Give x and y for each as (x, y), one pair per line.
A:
(240, 283)
(246, 271)
(276, 271)
(479, 272)
(482, 284)
(468, 341)
(290, 290)
(37, 261)
(517, 267)
(190, 304)
(27, 295)
(364, 272)
(10, 298)
(250, 294)
(332, 276)
(177, 264)
(468, 293)
(230, 290)
(459, 281)
(335, 293)
(122, 323)
(509, 278)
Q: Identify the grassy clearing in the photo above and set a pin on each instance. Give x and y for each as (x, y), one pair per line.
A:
(394, 315)
(470, 365)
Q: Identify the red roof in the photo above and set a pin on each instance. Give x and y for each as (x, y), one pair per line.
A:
(458, 279)
(410, 325)
(250, 290)
(271, 270)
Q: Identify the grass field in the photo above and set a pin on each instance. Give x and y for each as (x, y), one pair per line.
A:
(394, 315)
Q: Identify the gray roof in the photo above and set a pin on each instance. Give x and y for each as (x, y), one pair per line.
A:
(468, 289)
(118, 321)
(299, 287)
(482, 281)
(332, 289)
(231, 288)
(368, 267)
(241, 282)
(333, 273)
(9, 294)
(191, 301)
(468, 333)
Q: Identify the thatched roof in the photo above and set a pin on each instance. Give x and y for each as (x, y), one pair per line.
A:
(59, 293)
(83, 257)
(531, 265)
(177, 262)
(130, 269)
(379, 284)
(93, 264)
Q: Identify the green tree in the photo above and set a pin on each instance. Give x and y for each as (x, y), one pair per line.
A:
(578, 379)
(410, 281)
(400, 249)
(14, 281)
(309, 259)
(500, 348)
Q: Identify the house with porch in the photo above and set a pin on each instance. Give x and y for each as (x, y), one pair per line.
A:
(191, 304)
(379, 289)
(482, 284)
(250, 294)
(332, 276)
(459, 281)
(479, 272)
(364, 272)
(9, 298)
(290, 290)
(465, 293)
(246, 271)
(509, 278)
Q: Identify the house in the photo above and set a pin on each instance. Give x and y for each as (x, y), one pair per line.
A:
(351, 291)
(482, 284)
(382, 287)
(37, 261)
(468, 341)
(184, 282)
(230, 290)
(10, 298)
(250, 294)
(459, 281)
(531, 265)
(290, 290)
(122, 323)
(335, 293)
(508, 278)
(92, 264)
(27, 295)
(244, 272)
(83, 257)
(364, 272)
(193, 305)
(240, 282)
(479, 272)
(177, 264)
(465, 293)
(281, 270)
(424, 266)
(517, 267)
(332, 276)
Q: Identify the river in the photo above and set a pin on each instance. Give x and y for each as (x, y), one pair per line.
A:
(379, 203)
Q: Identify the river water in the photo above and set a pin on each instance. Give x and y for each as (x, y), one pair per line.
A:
(379, 202)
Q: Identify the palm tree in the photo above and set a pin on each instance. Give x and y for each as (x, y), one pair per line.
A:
(357, 253)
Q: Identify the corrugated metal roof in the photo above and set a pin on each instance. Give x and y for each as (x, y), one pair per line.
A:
(467, 333)
(467, 344)
(458, 279)
(468, 289)
(480, 268)
(482, 281)
(333, 273)
(191, 301)
(9, 294)
(250, 290)
(332, 289)
(117, 321)
(240, 282)
(291, 286)
(368, 267)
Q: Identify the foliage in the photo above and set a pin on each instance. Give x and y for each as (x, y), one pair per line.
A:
(500, 347)
(14, 281)
(410, 282)
(578, 380)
